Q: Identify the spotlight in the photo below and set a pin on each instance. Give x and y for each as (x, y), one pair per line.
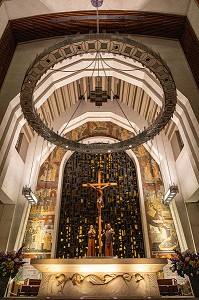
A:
(29, 195)
(170, 194)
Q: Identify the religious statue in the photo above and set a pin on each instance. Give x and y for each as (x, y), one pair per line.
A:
(91, 241)
(100, 204)
(108, 240)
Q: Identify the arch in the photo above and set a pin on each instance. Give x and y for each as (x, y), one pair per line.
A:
(131, 154)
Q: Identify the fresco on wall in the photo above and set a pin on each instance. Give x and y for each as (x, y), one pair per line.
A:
(40, 228)
(91, 129)
(162, 233)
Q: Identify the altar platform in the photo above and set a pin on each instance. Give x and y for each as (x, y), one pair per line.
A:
(99, 278)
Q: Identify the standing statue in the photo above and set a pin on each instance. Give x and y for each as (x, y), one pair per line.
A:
(108, 240)
(91, 241)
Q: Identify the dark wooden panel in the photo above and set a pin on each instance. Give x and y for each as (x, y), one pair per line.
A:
(190, 45)
(7, 48)
(153, 24)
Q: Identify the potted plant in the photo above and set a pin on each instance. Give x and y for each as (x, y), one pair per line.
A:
(10, 262)
(187, 263)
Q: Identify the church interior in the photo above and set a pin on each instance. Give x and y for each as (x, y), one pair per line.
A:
(99, 143)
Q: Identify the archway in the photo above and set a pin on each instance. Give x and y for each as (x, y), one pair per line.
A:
(121, 205)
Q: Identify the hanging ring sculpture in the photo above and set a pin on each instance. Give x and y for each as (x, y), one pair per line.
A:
(103, 43)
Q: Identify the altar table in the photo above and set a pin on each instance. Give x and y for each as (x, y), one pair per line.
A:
(99, 277)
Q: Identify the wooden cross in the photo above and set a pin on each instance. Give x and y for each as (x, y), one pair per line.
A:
(99, 186)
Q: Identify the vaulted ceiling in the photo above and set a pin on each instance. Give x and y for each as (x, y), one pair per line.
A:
(129, 94)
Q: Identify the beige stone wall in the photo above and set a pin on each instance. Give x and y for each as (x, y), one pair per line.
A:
(6, 215)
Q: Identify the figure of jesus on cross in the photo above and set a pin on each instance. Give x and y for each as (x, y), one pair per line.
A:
(99, 186)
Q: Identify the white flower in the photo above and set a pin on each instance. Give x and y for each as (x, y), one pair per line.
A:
(187, 258)
(16, 259)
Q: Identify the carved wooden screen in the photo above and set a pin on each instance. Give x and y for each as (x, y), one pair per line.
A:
(121, 205)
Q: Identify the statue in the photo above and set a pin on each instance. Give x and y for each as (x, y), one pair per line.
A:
(91, 241)
(100, 204)
(108, 240)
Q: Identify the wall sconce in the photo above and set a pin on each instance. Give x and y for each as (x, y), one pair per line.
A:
(29, 195)
(170, 194)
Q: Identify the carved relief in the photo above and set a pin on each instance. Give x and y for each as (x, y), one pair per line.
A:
(154, 289)
(126, 284)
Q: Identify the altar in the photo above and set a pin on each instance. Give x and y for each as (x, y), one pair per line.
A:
(99, 277)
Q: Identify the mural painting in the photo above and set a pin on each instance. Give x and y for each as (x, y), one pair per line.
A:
(91, 129)
(40, 227)
(162, 233)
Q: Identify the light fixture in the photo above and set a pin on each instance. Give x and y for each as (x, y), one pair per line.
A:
(173, 188)
(99, 44)
(98, 96)
(26, 190)
(29, 195)
(170, 194)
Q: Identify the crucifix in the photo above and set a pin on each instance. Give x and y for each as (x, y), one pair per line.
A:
(99, 186)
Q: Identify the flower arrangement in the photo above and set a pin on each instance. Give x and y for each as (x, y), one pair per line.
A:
(186, 263)
(10, 263)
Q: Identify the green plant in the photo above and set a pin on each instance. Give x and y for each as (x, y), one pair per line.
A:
(185, 263)
(10, 262)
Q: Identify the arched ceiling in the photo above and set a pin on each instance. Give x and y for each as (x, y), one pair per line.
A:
(127, 93)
